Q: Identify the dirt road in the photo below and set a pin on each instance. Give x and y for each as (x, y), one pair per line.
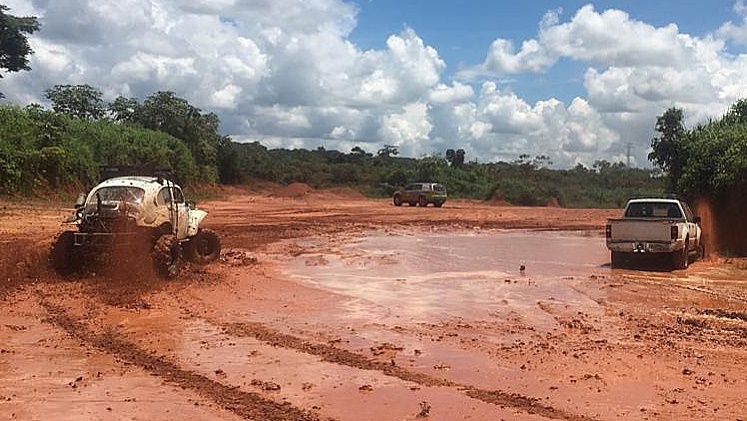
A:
(328, 306)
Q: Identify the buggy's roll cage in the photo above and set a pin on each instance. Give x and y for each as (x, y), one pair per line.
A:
(160, 174)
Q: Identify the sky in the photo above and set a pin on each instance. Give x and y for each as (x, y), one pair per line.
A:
(575, 81)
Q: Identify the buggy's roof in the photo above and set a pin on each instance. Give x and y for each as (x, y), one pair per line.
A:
(147, 183)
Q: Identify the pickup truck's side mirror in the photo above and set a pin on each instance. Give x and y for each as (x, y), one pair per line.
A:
(696, 219)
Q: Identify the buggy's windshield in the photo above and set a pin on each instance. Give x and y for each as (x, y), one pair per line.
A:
(118, 194)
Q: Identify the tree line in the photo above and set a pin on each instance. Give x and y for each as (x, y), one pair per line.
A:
(65, 147)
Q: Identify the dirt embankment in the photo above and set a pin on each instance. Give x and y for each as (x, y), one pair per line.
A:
(724, 224)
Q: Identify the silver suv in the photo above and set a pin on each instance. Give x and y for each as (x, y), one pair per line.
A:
(421, 194)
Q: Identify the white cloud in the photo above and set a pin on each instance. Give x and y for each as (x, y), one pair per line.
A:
(736, 32)
(609, 38)
(458, 92)
(408, 128)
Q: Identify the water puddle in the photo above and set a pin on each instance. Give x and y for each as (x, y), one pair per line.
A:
(435, 275)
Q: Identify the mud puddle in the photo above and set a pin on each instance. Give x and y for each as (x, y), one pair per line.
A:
(426, 277)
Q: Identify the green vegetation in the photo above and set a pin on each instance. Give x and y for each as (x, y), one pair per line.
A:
(14, 47)
(44, 150)
(710, 159)
(708, 165)
(64, 148)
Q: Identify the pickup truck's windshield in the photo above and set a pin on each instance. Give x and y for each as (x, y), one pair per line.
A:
(653, 210)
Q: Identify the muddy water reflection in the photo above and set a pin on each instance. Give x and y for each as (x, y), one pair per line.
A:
(427, 276)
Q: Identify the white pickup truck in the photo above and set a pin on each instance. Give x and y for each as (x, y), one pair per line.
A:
(663, 226)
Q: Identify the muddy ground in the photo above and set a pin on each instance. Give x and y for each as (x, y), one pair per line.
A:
(264, 335)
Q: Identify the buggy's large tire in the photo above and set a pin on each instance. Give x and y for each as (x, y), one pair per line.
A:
(64, 257)
(203, 248)
(167, 256)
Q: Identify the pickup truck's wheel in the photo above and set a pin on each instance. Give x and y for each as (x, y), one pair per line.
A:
(423, 201)
(203, 248)
(616, 259)
(681, 258)
(397, 200)
(167, 256)
(64, 257)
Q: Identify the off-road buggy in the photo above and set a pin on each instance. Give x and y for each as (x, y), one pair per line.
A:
(138, 216)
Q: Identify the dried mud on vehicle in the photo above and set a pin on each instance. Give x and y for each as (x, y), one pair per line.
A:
(307, 315)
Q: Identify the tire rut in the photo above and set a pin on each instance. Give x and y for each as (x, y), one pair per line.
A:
(250, 405)
(347, 358)
(247, 405)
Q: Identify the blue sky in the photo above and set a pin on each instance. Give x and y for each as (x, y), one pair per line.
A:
(463, 31)
(576, 81)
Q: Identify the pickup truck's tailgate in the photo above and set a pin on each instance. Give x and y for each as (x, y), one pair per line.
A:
(640, 229)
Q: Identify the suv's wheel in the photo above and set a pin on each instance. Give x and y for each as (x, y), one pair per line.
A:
(64, 257)
(423, 201)
(397, 200)
(203, 248)
(438, 204)
(167, 256)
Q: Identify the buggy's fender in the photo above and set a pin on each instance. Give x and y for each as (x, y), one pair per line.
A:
(195, 218)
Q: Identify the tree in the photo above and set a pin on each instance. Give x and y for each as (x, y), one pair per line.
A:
(80, 101)
(668, 149)
(450, 155)
(123, 109)
(165, 112)
(455, 157)
(737, 113)
(14, 46)
(388, 151)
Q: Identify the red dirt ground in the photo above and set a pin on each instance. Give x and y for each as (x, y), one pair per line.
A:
(240, 340)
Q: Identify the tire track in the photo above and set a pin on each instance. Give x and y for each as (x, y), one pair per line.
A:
(247, 405)
(251, 405)
(347, 358)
